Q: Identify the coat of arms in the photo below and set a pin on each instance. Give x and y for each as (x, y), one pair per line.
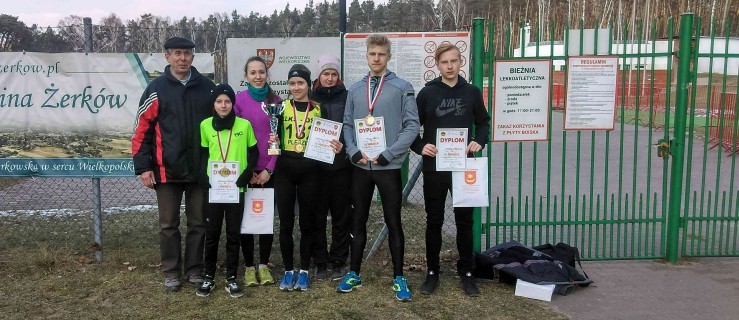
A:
(268, 55)
(257, 206)
(470, 177)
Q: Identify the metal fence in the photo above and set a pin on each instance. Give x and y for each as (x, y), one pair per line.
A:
(60, 214)
(609, 192)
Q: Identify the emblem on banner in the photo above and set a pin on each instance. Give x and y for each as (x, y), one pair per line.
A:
(268, 55)
(257, 206)
(470, 177)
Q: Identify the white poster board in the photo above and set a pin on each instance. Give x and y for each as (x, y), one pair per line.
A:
(412, 55)
(521, 100)
(280, 54)
(70, 92)
(591, 93)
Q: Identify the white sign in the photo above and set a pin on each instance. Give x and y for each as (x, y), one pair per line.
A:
(412, 55)
(223, 176)
(70, 92)
(319, 141)
(74, 105)
(451, 144)
(370, 139)
(521, 102)
(280, 54)
(591, 93)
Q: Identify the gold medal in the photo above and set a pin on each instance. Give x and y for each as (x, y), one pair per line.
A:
(369, 120)
(299, 147)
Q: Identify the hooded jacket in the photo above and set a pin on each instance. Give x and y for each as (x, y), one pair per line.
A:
(333, 104)
(166, 136)
(397, 105)
(442, 106)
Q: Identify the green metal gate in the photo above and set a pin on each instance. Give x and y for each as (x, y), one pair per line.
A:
(636, 192)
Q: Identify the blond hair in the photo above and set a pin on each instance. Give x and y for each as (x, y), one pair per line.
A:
(444, 47)
(377, 39)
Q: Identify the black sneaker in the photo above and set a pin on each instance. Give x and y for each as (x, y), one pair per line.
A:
(206, 287)
(233, 288)
(431, 283)
(469, 286)
(338, 273)
(321, 273)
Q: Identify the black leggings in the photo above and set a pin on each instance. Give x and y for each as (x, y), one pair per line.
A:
(296, 176)
(336, 197)
(214, 216)
(390, 187)
(265, 240)
(436, 185)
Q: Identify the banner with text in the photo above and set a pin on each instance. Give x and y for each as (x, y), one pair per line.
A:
(280, 54)
(72, 114)
(521, 100)
(412, 55)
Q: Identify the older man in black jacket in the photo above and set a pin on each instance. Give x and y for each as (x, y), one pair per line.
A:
(166, 155)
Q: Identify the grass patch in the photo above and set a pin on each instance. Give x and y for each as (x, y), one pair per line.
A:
(47, 262)
(61, 284)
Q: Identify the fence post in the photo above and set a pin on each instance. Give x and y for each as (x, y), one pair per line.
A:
(97, 212)
(478, 53)
(677, 145)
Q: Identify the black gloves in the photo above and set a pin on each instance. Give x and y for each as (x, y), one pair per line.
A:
(356, 157)
(382, 161)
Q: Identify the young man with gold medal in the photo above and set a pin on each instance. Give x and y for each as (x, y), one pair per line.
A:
(380, 123)
(297, 176)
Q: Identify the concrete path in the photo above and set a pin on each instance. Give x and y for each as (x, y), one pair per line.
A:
(704, 288)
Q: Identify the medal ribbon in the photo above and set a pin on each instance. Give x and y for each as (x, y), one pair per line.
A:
(371, 100)
(228, 144)
(300, 128)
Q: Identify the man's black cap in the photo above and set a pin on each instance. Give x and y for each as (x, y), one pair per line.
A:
(178, 43)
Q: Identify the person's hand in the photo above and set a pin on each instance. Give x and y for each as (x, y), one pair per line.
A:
(429, 150)
(263, 177)
(473, 147)
(380, 161)
(253, 178)
(364, 159)
(274, 138)
(147, 178)
(336, 145)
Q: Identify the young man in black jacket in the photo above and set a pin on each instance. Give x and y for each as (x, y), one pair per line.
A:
(166, 156)
(448, 102)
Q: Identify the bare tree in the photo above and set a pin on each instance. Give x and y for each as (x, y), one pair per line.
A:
(71, 30)
(439, 14)
(456, 9)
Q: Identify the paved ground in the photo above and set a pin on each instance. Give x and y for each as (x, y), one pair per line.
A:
(705, 288)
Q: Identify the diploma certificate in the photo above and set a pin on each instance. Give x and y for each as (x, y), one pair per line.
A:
(370, 138)
(223, 176)
(318, 146)
(451, 144)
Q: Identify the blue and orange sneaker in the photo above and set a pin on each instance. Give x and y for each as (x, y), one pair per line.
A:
(351, 280)
(288, 281)
(400, 286)
(303, 281)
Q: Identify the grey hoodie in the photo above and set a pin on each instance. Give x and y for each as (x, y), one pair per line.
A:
(397, 105)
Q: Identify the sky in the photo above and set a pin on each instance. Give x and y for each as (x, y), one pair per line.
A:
(49, 12)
